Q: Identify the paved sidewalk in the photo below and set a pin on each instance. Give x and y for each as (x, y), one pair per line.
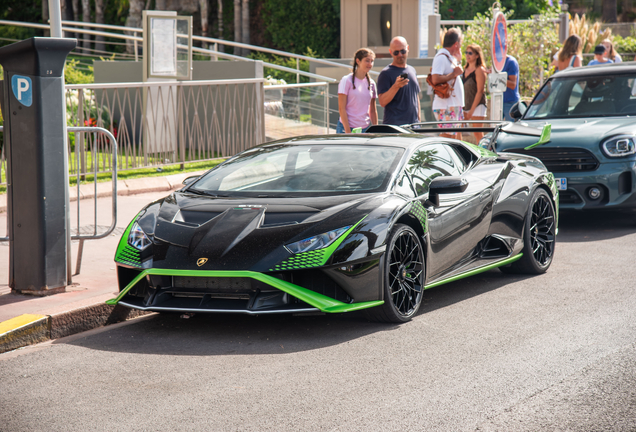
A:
(28, 319)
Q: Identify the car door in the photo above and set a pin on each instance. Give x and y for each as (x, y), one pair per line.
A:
(458, 223)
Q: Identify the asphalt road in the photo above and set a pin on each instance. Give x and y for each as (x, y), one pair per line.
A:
(496, 352)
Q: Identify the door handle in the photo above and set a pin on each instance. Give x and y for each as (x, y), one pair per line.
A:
(485, 194)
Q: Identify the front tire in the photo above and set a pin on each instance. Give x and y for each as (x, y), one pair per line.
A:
(538, 237)
(404, 272)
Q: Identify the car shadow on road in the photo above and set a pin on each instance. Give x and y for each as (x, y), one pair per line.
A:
(595, 225)
(229, 334)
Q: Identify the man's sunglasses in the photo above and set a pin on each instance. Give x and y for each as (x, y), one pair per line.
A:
(402, 51)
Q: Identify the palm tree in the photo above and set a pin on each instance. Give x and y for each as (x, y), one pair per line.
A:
(246, 24)
(100, 6)
(134, 20)
(609, 11)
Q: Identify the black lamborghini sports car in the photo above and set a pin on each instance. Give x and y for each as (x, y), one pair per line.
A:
(338, 223)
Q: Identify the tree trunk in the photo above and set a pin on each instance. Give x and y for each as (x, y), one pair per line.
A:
(86, 17)
(246, 25)
(100, 6)
(160, 5)
(66, 14)
(134, 20)
(76, 10)
(203, 4)
(219, 17)
(609, 11)
(45, 17)
(237, 26)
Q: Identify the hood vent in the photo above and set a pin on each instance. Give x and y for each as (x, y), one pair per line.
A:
(278, 219)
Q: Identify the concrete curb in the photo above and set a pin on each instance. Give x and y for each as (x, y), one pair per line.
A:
(124, 187)
(65, 324)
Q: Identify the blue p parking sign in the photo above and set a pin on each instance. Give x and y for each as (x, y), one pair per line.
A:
(22, 89)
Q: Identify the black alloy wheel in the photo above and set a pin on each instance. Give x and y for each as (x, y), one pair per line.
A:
(539, 237)
(403, 278)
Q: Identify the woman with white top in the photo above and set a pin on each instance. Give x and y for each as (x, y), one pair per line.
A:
(570, 54)
(357, 93)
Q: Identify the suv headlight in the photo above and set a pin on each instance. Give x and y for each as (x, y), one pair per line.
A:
(619, 146)
(316, 242)
(137, 238)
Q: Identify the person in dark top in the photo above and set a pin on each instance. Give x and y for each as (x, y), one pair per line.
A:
(399, 96)
(474, 78)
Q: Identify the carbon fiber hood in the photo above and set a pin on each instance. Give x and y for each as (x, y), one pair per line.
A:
(237, 233)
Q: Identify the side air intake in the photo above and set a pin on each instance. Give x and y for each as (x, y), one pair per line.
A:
(494, 247)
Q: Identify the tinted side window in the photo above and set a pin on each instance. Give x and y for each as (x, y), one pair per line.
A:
(428, 162)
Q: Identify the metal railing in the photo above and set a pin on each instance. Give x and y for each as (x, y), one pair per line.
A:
(77, 28)
(296, 109)
(159, 124)
(166, 123)
(95, 235)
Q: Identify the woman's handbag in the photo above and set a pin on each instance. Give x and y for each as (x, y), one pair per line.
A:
(443, 90)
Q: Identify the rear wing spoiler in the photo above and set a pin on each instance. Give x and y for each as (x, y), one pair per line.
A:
(494, 127)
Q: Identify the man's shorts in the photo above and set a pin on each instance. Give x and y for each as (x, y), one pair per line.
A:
(449, 114)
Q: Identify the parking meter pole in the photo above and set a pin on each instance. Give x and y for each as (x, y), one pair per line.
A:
(55, 13)
(34, 135)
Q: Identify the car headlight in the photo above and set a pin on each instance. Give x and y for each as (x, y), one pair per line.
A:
(137, 238)
(619, 146)
(316, 242)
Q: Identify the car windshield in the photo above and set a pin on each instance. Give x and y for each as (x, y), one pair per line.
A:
(302, 170)
(597, 96)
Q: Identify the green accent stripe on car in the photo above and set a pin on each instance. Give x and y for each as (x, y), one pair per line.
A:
(475, 271)
(127, 254)
(544, 138)
(322, 302)
(315, 258)
(418, 210)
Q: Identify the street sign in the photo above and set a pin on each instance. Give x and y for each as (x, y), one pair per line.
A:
(22, 89)
(499, 41)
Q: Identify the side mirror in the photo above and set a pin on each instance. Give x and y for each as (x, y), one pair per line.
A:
(189, 180)
(518, 110)
(445, 185)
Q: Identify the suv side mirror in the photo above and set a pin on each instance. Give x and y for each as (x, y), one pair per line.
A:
(518, 110)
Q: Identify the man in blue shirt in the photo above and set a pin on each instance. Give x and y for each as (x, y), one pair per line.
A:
(398, 95)
(511, 95)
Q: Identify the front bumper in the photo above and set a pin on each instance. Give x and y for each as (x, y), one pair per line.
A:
(615, 180)
(270, 295)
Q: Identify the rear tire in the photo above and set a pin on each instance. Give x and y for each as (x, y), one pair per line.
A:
(538, 237)
(404, 271)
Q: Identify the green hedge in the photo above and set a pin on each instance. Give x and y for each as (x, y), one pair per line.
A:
(296, 26)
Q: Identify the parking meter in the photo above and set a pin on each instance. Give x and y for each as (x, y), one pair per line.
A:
(37, 179)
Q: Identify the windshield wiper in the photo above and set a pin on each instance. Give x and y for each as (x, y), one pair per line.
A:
(206, 193)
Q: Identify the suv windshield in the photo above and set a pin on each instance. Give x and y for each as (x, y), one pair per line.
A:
(597, 96)
(302, 170)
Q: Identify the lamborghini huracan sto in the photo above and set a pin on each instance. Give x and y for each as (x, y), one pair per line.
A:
(338, 223)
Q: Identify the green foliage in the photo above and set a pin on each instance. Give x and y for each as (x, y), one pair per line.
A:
(28, 11)
(531, 43)
(295, 26)
(467, 9)
(73, 75)
(624, 44)
(287, 62)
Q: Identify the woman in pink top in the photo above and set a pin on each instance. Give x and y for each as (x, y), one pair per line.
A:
(357, 93)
